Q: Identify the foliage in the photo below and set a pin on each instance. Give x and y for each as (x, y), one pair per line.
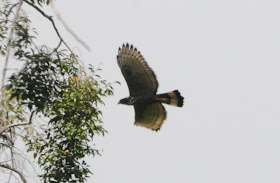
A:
(23, 36)
(54, 85)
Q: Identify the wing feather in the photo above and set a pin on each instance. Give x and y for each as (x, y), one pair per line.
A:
(150, 115)
(139, 77)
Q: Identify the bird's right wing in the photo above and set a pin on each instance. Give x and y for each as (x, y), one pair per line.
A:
(150, 115)
(139, 77)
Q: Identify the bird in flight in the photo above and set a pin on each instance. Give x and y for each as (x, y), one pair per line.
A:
(143, 85)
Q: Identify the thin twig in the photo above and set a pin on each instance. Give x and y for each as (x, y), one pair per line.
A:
(50, 19)
(14, 170)
(3, 98)
(3, 129)
(67, 27)
(7, 138)
(31, 116)
(12, 125)
(55, 50)
(10, 10)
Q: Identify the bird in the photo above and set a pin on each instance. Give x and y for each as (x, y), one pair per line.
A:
(143, 85)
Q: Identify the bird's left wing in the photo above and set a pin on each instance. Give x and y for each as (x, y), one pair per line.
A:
(139, 77)
(150, 115)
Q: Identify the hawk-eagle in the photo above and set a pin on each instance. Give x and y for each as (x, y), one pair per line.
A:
(143, 85)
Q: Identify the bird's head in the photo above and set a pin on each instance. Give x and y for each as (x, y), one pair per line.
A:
(127, 101)
(124, 101)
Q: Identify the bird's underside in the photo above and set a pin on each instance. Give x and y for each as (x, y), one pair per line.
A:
(143, 85)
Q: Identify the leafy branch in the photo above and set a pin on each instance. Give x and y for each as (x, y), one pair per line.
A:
(3, 99)
(51, 20)
(52, 85)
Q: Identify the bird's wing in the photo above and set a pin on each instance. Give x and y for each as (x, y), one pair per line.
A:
(139, 77)
(150, 115)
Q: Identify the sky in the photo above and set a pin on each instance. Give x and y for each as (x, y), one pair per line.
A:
(223, 56)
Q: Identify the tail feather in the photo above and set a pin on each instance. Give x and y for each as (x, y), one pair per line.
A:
(172, 98)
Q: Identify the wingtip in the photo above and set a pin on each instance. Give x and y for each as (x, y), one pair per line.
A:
(129, 51)
(127, 46)
(156, 130)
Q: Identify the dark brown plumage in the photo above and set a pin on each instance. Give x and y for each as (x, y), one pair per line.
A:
(143, 85)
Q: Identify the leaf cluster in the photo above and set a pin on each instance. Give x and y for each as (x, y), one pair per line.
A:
(55, 86)
(23, 34)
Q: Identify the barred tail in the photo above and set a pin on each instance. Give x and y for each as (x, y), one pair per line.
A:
(172, 98)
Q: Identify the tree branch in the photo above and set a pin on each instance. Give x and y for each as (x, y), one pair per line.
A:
(16, 124)
(8, 139)
(10, 10)
(12, 125)
(51, 20)
(3, 98)
(14, 170)
(67, 27)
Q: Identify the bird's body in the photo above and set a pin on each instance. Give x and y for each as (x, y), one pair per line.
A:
(150, 99)
(143, 85)
(138, 100)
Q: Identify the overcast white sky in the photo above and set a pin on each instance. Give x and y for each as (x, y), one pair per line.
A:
(222, 55)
